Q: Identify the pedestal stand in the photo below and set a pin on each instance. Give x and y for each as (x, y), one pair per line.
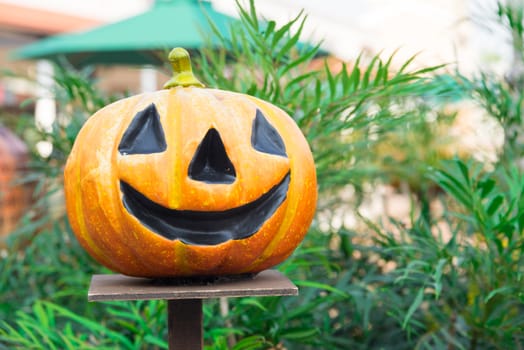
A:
(184, 300)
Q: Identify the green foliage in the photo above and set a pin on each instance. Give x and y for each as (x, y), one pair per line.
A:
(501, 101)
(137, 325)
(503, 98)
(449, 279)
(466, 279)
(51, 264)
(511, 15)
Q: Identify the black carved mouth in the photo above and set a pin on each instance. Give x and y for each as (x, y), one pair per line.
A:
(201, 227)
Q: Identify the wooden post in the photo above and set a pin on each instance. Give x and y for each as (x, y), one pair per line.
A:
(185, 324)
(184, 299)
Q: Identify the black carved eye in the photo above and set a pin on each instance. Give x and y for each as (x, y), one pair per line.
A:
(210, 163)
(144, 135)
(265, 137)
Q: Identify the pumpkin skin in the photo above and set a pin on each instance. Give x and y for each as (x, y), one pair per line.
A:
(114, 164)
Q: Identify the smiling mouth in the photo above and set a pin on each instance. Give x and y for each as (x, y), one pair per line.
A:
(204, 227)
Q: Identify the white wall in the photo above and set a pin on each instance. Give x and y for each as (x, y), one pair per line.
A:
(441, 31)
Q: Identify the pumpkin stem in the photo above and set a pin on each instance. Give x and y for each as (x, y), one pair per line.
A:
(182, 71)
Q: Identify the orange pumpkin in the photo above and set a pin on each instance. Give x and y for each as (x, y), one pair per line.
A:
(190, 181)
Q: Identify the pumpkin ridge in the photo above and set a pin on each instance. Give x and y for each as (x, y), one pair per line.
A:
(77, 222)
(105, 236)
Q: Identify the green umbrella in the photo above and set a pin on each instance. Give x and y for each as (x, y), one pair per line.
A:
(139, 40)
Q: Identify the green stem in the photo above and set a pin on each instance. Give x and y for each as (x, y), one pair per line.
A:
(182, 71)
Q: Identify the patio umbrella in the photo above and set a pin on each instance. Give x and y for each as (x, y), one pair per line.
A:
(140, 40)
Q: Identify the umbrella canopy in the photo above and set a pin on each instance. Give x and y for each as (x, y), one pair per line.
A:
(139, 40)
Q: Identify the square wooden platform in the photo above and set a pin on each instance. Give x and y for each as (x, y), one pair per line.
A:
(120, 287)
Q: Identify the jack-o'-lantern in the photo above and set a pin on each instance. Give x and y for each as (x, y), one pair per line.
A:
(190, 181)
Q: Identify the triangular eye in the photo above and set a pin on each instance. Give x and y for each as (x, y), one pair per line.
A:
(265, 137)
(210, 163)
(144, 135)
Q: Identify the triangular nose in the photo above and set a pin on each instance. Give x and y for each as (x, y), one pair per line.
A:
(210, 163)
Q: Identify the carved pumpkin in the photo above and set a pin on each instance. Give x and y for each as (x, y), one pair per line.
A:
(190, 181)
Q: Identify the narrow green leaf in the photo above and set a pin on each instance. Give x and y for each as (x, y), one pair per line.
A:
(495, 204)
(269, 29)
(486, 186)
(154, 340)
(253, 302)
(344, 78)
(91, 325)
(354, 79)
(11, 335)
(250, 343)
(464, 170)
(452, 185)
(406, 64)
(284, 30)
(332, 81)
(304, 57)
(414, 306)
(300, 334)
(284, 50)
(501, 290)
(296, 85)
(318, 92)
(380, 75)
(437, 277)
(369, 70)
(27, 333)
(253, 13)
(248, 17)
(41, 315)
(322, 286)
